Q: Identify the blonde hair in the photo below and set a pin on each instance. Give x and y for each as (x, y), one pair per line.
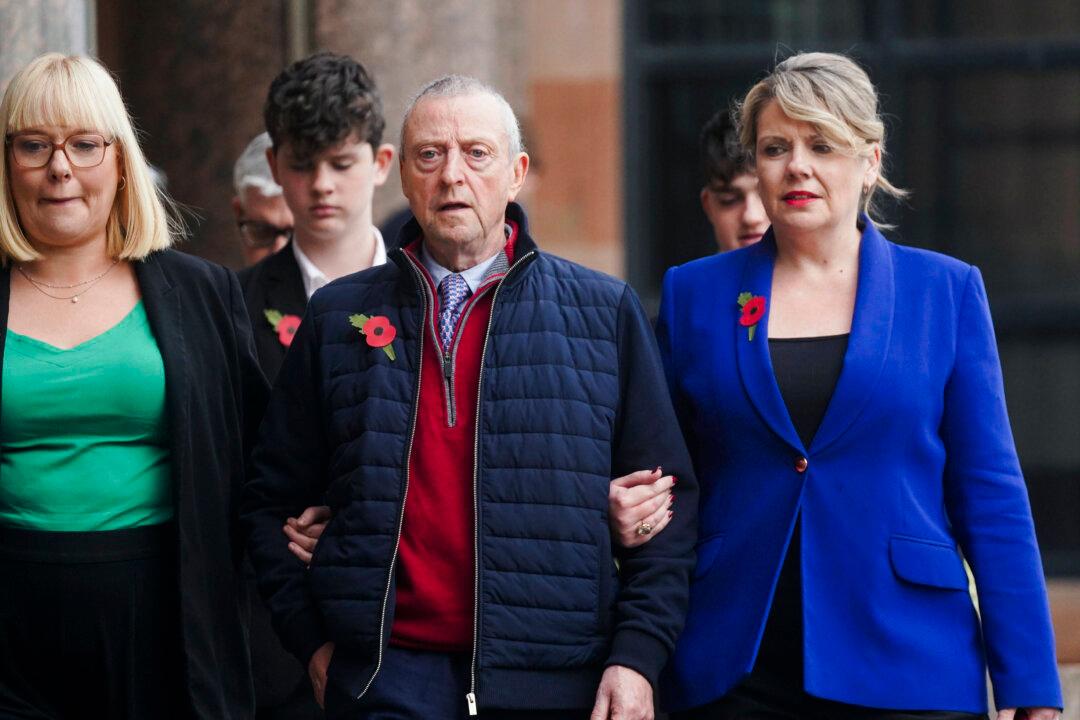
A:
(832, 93)
(55, 89)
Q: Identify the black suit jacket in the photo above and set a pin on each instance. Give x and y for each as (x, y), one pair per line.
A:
(273, 283)
(215, 397)
(281, 681)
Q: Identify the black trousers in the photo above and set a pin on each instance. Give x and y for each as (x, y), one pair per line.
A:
(759, 699)
(89, 625)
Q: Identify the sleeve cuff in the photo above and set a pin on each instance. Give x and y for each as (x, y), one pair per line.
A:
(303, 635)
(641, 652)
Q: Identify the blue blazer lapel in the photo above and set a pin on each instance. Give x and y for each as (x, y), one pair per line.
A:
(868, 345)
(754, 361)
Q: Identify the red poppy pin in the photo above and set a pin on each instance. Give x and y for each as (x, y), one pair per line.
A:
(378, 332)
(284, 325)
(753, 309)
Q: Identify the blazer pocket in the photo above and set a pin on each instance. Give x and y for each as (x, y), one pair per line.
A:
(707, 549)
(927, 562)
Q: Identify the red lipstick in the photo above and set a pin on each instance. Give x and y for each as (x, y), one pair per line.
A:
(799, 198)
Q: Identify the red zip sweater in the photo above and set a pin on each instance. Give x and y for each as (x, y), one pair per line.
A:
(435, 573)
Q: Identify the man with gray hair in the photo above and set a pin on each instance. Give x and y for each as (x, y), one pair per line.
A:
(463, 409)
(264, 219)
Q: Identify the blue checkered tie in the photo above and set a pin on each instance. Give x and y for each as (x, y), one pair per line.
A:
(453, 292)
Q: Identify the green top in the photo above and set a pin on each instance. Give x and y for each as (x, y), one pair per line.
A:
(84, 433)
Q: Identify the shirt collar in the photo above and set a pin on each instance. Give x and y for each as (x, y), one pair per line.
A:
(380, 247)
(474, 276)
(314, 278)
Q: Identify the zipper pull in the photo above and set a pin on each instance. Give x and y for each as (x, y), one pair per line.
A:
(448, 368)
(471, 700)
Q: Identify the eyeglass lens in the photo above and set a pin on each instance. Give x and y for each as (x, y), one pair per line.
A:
(34, 151)
(260, 234)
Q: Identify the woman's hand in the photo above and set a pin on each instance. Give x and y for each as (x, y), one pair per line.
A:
(638, 502)
(304, 532)
(1028, 714)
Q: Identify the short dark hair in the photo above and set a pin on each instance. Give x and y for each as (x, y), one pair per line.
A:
(722, 157)
(319, 101)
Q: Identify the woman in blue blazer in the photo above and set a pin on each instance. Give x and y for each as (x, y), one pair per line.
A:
(842, 397)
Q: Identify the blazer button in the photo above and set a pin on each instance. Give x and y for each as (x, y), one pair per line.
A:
(801, 465)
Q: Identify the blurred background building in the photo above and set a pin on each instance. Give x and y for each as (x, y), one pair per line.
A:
(982, 98)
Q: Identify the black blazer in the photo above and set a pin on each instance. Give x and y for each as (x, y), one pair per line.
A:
(273, 283)
(215, 397)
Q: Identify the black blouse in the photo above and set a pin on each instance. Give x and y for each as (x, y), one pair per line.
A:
(806, 371)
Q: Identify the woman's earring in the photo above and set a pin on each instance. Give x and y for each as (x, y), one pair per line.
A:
(123, 183)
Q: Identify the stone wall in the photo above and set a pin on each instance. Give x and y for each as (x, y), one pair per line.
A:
(194, 74)
(28, 29)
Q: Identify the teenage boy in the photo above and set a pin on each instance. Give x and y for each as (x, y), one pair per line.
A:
(730, 196)
(325, 120)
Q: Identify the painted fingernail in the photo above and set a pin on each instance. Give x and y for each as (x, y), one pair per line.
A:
(670, 514)
(674, 479)
(658, 469)
(672, 499)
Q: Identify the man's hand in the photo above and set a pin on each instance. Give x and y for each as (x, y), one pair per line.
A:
(624, 694)
(641, 497)
(304, 532)
(317, 667)
(1028, 714)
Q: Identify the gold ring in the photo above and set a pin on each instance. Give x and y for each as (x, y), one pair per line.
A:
(644, 528)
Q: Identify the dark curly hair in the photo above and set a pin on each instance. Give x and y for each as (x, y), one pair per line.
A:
(722, 157)
(319, 101)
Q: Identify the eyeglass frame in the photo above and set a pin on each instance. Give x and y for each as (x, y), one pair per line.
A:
(62, 146)
(286, 232)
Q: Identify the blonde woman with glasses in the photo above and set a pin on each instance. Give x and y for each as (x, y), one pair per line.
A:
(128, 396)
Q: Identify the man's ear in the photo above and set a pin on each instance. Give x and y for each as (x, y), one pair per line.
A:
(237, 208)
(520, 169)
(271, 159)
(384, 155)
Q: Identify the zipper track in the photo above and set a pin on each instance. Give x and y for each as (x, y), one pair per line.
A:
(445, 360)
(449, 361)
(404, 495)
(470, 698)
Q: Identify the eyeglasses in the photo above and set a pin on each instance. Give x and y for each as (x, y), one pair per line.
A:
(261, 235)
(83, 150)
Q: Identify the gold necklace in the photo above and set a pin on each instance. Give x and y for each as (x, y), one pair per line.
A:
(40, 286)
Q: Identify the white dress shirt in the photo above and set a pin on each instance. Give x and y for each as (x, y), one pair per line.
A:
(314, 278)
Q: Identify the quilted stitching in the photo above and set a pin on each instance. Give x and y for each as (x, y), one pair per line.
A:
(550, 396)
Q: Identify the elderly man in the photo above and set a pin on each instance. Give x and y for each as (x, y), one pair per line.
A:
(264, 219)
(463, 409)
